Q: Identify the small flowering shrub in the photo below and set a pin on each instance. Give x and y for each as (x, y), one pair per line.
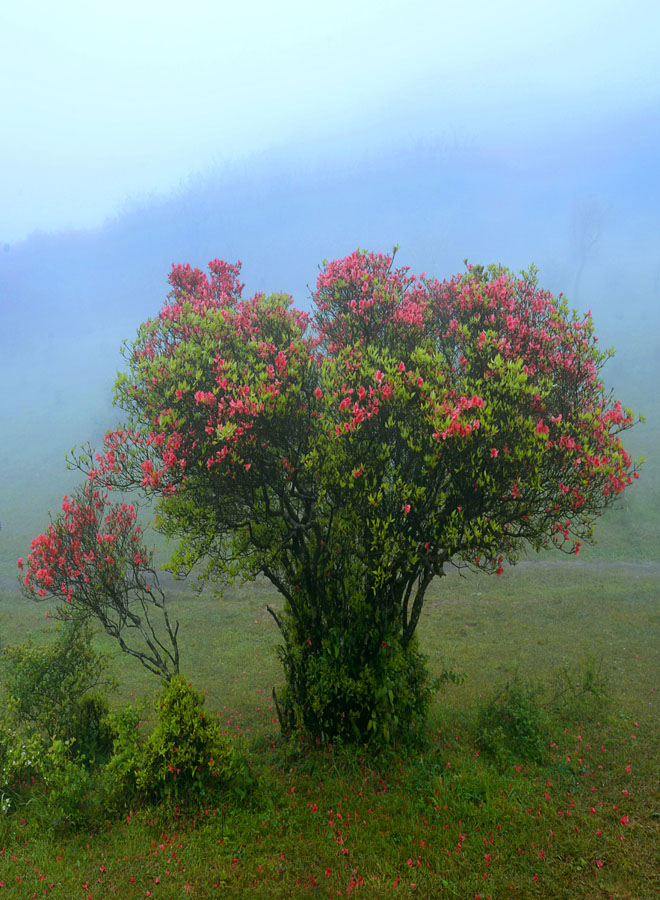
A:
(349, 455)
(187, 758)
(92, 561)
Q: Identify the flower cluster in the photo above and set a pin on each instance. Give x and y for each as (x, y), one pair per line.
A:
(92, 558)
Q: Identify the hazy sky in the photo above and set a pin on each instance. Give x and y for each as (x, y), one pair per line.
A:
(103, 105)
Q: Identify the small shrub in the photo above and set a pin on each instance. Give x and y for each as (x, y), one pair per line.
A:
(20, 762)
(187, 757)
(512, 725)
(119, 774)
(59, 789)
(70, 789)
(90, 730)
(47, 684)
(91, 561)
(580, 691)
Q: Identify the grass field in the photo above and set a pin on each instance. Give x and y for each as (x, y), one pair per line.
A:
(451, 821)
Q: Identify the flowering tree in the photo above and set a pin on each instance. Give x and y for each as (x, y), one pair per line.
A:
(92, 560)
(351, 454)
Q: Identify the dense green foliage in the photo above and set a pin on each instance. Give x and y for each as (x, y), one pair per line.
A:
(51, 687)
(106, 763)
(187, 757)
(336, 693)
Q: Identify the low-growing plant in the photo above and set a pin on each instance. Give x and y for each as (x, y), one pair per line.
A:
(70, 791)
(187, 757)
(512, 725)
(57, 786)
(119, 774)
(90, 729)
(579, 690)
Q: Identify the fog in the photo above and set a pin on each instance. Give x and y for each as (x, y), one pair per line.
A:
(562, 174)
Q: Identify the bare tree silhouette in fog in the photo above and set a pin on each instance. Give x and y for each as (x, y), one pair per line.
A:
(587, 219)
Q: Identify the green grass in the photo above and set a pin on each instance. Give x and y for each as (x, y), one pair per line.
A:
(449, 820)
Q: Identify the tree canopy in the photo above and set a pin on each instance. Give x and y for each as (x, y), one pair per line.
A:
(351, 453)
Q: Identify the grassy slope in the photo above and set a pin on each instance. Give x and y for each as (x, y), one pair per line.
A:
(401, 821)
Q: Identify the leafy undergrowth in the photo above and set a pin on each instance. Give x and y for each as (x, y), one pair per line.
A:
(583, 823)
(539, 777)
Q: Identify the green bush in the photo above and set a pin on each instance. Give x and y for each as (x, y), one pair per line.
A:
(20, 762)
(59, 789)
(386, 700)
(512, 726)
(90, 729)
(117, 778)
(108, 764)
(70, 793)
(187, 758)
(580, 691)
(48, 683)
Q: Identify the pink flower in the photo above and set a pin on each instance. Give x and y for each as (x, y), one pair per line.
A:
(494, 452)
(318, 393)
(406, 508)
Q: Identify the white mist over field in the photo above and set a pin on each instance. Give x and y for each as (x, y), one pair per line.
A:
(283, 135)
